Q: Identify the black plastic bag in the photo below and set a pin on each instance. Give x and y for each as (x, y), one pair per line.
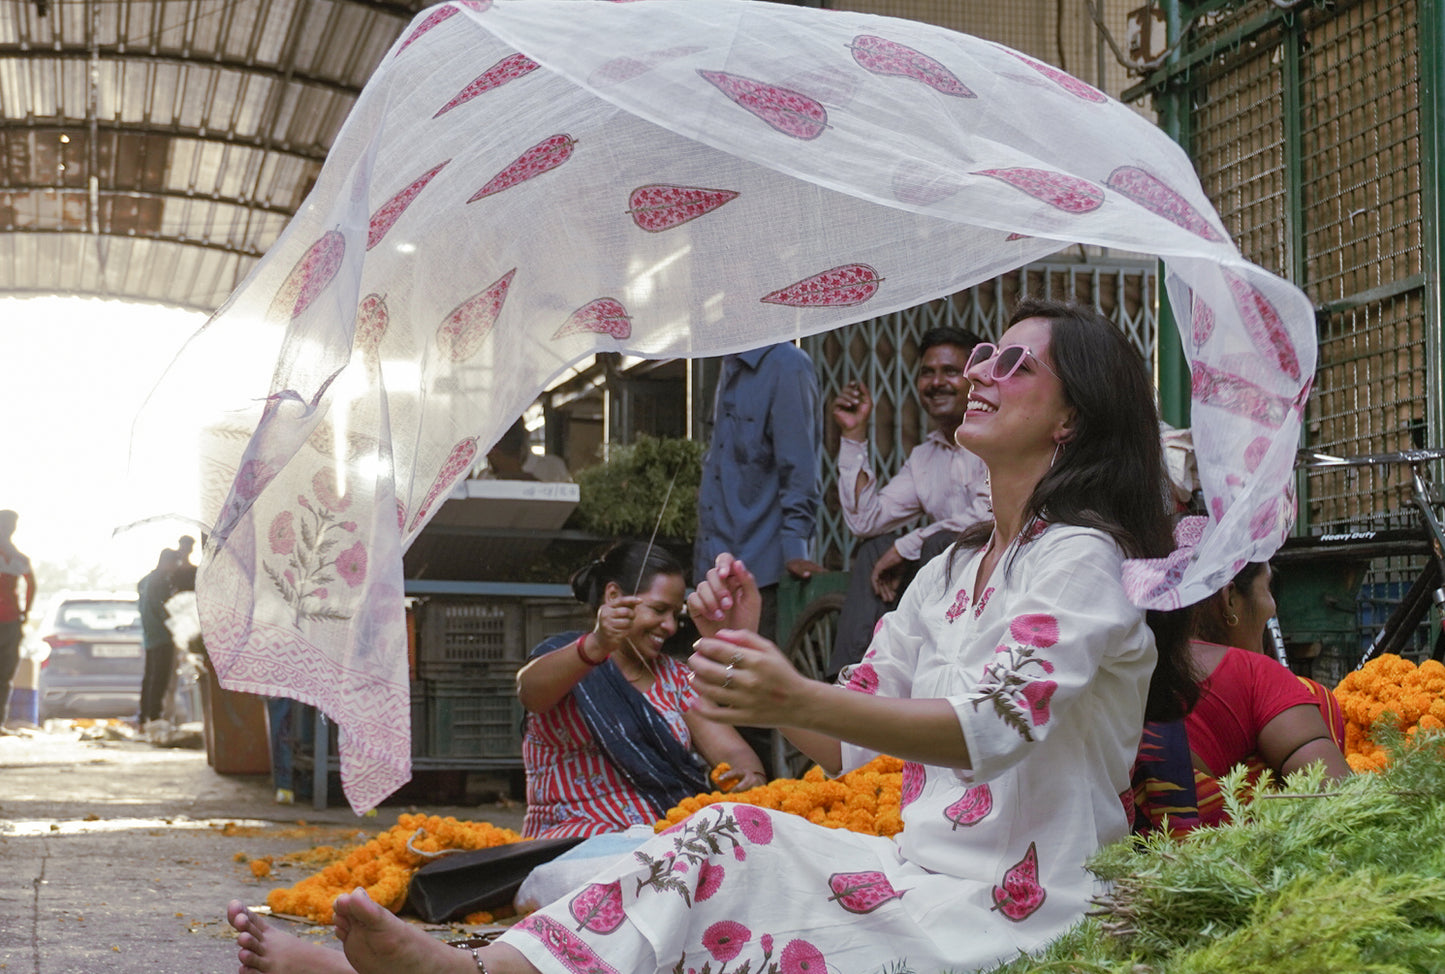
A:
(484, 879)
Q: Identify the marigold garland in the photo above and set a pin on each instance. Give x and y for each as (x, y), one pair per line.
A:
(1413, 697)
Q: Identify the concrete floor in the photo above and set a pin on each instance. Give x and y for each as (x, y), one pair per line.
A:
(112, 858)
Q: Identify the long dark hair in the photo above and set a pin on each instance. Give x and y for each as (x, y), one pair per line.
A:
(631, 564)
(1110, 474)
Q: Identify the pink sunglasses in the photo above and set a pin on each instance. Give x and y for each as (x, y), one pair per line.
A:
(1006, 360)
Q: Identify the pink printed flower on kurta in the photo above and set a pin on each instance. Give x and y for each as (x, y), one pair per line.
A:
(912, 783)
(1038, 694)
(755, 823)
(351, 564)
(864, 679)
(282, 534)
(252, 478)
(725, 939)
(709, 879)
(324, 484)
(1035, 629)
(348, 526)
(801, 957)
(767, 942)
(960, 602)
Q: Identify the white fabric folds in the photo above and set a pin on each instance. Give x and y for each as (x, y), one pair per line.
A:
(522, 184)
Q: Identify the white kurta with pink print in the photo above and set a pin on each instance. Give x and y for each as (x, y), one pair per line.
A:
(1047, 669)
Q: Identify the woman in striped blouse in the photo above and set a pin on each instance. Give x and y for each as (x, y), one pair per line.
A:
(610, 735)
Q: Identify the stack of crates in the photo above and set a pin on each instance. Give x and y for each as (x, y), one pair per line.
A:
(468, 654)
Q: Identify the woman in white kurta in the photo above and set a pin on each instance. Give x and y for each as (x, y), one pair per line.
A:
(1013, 680)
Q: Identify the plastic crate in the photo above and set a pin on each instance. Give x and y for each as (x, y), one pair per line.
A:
(474, 719)
(548, 617)
(456, 635)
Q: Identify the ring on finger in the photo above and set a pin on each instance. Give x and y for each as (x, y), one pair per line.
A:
(737, 660)
(727, 677)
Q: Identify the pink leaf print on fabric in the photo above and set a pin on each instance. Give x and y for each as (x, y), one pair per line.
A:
(626, 68)
(509, 68)
(1157, 197)
(1038, 695)
(914, 777)
(709, 879)
(604, 316)
(460, 459)
(838, 287)
(309, 277)
(1035, 629)
(754, 823)
(862, 892)
(1020, 895)
(959, 607)
(1264, 326)
(726, 939)
(789, 112)
(390, 211)
(972, 808)
(1201, 321)
(462, 331)
(1255, 452)
(659, 206)
(563, 944)
(282, 535)
(1063, 192)
(323, 483)
(863, 679)
(801, 957)
(886, 57)
(1235, 394)
(431, 20)
(548, 154)
(252, 478)
(372, 320)
(1066, 81)
(351, 564)
(1266, 520)
(598, 907)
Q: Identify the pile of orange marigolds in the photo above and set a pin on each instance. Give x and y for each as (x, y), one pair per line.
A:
(1413, 696)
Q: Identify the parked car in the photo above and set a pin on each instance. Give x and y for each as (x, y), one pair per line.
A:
(91, 654)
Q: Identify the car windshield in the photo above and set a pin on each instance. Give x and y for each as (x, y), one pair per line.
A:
(99, 616)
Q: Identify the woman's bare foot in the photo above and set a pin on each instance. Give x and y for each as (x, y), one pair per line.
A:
(264, 948)
(376, 942)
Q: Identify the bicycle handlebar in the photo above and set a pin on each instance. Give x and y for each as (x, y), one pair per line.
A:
(1315, 460)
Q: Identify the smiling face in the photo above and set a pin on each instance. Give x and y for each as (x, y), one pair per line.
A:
(1023, 418)
(942, 386)
(655, 620)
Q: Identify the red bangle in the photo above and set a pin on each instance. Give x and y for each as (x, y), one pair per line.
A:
(584, 657)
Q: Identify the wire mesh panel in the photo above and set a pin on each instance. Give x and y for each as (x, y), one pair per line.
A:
(883, 354)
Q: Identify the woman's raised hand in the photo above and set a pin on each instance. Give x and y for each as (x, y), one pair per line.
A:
(742, 678)
(615, 618)
(726, 599)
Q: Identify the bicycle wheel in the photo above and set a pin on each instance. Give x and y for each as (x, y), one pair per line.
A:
(808, 646)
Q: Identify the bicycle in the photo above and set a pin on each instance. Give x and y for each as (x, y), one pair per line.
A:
(1427, 537)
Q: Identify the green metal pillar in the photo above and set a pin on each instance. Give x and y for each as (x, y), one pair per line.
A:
(1431, 15)
(1171, 368)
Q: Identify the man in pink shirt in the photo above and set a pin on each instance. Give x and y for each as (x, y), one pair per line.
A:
(13, 567)
(940, 481)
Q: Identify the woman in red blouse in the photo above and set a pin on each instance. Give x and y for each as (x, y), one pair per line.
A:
(610, 735)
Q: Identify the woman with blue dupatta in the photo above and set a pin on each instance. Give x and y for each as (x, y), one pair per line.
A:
(610, 732)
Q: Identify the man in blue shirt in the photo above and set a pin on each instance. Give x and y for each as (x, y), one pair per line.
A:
(759, 495)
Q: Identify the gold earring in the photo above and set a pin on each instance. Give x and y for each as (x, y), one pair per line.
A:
(1231, 620)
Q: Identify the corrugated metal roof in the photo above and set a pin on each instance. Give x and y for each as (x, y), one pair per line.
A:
(154, 150)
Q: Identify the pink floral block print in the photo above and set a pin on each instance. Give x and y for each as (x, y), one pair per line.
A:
(309, 277)
(1264, 325)
(659, 206)
(1059, 190)
(801, 957)
(1035, 629)
(726, 939)
(598, 907)
(972, 808)
(959, 606)
(882, 56)
(462, 331)
(838, 287)
(1020, 894)
(1201, 322)
(863, 679)
(309, 543)
(626, 68)
(700, 841)
(1012, 685)
(604, 316)
(862, 892)
(914, 777)
(509, 68)
(1064, 80)
(390, 211)
(571, 950)
(546, 155)
(461, 458)
(1235, 394)
(1154, 195)
(789, 112)
(372, 320)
